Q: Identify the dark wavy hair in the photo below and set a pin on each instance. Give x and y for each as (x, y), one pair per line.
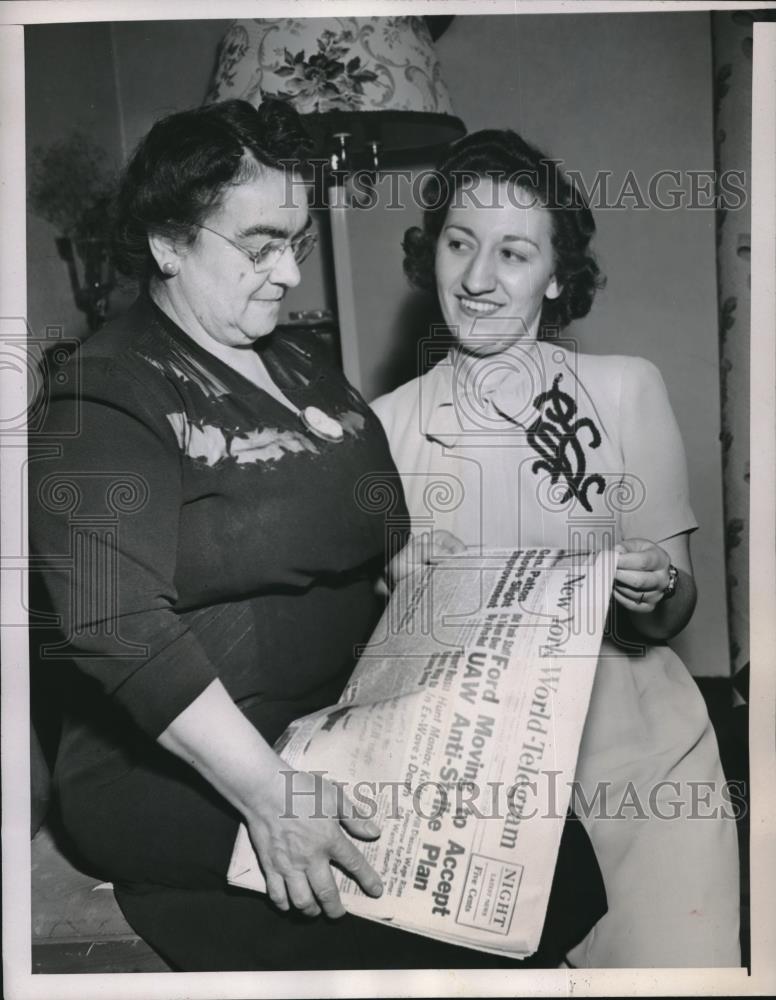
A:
(181, 169)
(502, 155)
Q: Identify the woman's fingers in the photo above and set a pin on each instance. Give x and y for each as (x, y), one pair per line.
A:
(641, 575)
(312, 888)
(296, 851)
(434, 545)
(353, 862)
(642, 580)
(276, 890)
(421, 550)
(629, 603)
(301, 894)
(349, 857)
(642, 601)
(322, 883)
(447, 544)
(640, 555)
(360, 826)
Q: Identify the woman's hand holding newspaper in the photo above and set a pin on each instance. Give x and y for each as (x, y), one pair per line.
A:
(297, 832)
(422, 550)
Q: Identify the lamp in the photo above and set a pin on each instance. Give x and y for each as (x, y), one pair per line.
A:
(72, 186)
(93, 285)
(369, 88)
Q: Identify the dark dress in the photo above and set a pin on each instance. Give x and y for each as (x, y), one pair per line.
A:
(193, 529)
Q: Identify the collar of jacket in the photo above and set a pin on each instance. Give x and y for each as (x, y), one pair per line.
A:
(468, 400)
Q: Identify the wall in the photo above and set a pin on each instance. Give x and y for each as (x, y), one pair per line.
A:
(613, 92)
(70, 86)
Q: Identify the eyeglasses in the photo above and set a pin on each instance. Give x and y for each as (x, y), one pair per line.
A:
(268, 256)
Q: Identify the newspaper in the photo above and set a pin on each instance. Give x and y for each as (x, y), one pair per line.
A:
(460, 727)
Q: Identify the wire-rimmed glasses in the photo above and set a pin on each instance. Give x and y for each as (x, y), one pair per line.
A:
(267, 257)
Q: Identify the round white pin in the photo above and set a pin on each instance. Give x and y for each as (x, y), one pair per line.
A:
(320, 424)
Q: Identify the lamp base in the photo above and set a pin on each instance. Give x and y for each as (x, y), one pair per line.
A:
(91, 288)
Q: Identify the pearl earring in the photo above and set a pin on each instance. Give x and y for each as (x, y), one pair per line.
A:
(169, 268)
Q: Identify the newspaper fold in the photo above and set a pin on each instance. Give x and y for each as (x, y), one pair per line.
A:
(459, 732)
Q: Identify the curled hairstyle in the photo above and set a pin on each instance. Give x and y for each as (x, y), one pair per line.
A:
(503, 156)
(182, 168)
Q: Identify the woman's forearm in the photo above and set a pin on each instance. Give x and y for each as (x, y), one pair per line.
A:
(296, 836)
(215, 738)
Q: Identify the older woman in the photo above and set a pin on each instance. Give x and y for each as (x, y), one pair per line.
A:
(224, 570)
(553, 447)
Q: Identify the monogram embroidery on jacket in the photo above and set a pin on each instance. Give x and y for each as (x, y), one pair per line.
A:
(555, 435)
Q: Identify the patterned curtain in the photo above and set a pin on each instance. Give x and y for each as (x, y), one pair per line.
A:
(732, 47)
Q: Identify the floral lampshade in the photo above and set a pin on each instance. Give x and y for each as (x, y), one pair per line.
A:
(375, 78)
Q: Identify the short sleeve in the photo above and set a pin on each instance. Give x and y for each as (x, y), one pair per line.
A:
(104, 505)
(653, 455)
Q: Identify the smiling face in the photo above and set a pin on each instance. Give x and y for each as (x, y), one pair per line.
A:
(216, 293)
(494, 266)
